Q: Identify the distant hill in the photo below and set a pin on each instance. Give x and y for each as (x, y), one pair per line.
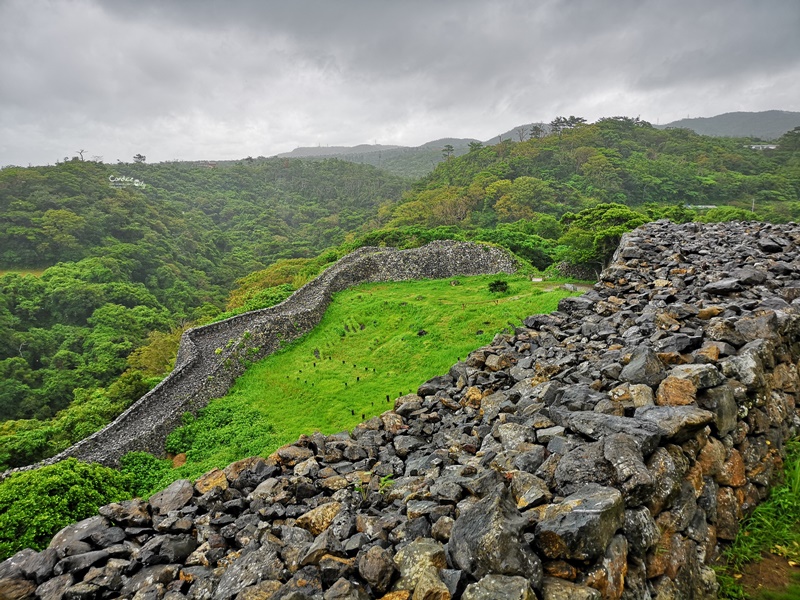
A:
(418, 161)
(329, 151)
(406, 161)
(519, 133)
(765, 125)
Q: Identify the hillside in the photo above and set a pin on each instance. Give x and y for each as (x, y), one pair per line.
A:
(122, 267)
(612, 447)
(403, 161)
(765, 125)
(89, 336)
(627, 161)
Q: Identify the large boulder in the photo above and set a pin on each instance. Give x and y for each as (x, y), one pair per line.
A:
(581, 526)
(488, 538)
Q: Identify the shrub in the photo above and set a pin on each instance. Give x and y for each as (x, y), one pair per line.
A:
(498, 286)
(35, 505)
(146, 472)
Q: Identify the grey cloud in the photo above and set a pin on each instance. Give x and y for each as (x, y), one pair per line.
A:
(209, 79)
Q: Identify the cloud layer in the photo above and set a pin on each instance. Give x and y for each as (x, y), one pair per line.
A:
(203, 79)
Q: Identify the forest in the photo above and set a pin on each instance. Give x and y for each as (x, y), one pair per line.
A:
(102, 275)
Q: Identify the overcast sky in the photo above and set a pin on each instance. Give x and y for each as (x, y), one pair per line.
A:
(211, 80)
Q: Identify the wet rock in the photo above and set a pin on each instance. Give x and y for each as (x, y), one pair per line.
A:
(581, 526)
(319, 519)
(213, 479)
(377, 568)
(675, 423)
(80, 562)
(488, 538)
(38, 566)
(417, 559)
(559, 589)
(722, 403)
(259, 565)
(493, 587)
(174, 497)
(130, 513)
(643, 368)
(728, 514)
(324, 544)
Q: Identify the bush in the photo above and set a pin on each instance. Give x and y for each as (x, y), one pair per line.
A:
(498, 286)
(146, 473)
(35, 505)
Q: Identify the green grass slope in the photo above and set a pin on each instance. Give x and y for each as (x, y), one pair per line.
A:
(375, 341)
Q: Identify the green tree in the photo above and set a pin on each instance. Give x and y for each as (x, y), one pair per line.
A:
(594, 233)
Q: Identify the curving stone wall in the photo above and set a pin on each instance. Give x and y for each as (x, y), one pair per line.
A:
(211, 357)
(603, 451)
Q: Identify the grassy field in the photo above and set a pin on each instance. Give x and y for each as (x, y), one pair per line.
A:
(375, 341)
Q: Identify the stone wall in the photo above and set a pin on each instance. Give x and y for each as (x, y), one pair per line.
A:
(211, 357)
(603, 451)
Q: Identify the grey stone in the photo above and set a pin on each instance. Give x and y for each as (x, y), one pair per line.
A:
(130, 513)
(581, 526)
(554, 588)
(640, 530)
(79, 562)
(71, 535)
(597, 426)
(344, 589)
(252, 567)
(174, 497)
(415, 560)
(702, 376)
(377, 568)
(39, 566)
(630, 473)
(644, 367)
(54, 588)
(494, 587)
(722, 403)
(676, 423)
(149, 576)
(488, 538)
(585, 464)
(723, 287)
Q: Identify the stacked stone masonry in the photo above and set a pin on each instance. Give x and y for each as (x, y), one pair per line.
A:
(603, 451)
